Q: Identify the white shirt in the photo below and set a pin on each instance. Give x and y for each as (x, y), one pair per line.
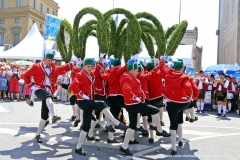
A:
(200, 83)
(210, 85)
(65, 80)
(47, 81)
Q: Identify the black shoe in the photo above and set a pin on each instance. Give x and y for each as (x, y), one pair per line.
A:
(141, 129)
(162, 123)
(150, 140)
(224, 115)
(153, 127)
(196, 118)
(76, 123)
(113, 141)
(202, 111)
(164, 134)
(38, 138)
(144, 134)
(191, 120)
(180, 143)
(126, 151)
(55, 119)
(110, 128)
(123, 135)
(187, 118)
(80, 151)
(72, 118)
(198, 111)
(134, 142)
(122, 126)
(173, 153)
(93, 138)
(97, 125)
(47, 122)
(30, 103)
(218, 114)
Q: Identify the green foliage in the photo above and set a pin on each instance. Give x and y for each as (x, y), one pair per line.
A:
(112, 40)
(160, 41)
(170, 31)
(176, 38)
(101, 30)
(133, 31)
(147, 40)
(65, 52)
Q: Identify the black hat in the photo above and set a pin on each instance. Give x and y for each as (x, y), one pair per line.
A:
(212, 76)
(201, 71)
(227, 75)
(222, 74)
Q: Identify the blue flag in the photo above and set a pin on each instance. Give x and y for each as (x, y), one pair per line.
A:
(116, 20)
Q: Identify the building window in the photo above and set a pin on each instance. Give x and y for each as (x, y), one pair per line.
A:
(53, 13)
(47, 10)
(1, 21)
(19, 3)
(41, 7)
(17, 20)
(16, 38)
(40, 25)
(33, 21)
(3, 3)
(34, 4)
(1, 39)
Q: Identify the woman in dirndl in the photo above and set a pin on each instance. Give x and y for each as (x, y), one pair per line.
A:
(3, 83)
(14, 84)
(26, 91)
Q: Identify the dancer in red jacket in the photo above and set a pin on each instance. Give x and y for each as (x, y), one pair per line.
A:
(44, 75)
(83, 87)
(134, 99)
(177, 90)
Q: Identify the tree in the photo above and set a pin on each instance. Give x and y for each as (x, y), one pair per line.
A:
(65, 52)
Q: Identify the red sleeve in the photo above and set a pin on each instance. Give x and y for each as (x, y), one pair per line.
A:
(121, 70)
(164, 69)
(97, 69)
(76, 84)
(63, 68)
(149, 75)
(195, 90)
(105, 76)
(187, 87)
(27, 76)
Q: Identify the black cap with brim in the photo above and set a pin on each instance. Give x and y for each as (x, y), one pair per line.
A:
(222, 74)
(212, 76)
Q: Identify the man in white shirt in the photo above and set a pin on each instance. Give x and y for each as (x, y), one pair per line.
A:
(202, 83)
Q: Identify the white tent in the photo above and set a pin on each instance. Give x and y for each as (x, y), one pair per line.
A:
(184, 52)
(31, 47)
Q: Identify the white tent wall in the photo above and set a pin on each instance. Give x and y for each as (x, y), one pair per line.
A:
(31, 47)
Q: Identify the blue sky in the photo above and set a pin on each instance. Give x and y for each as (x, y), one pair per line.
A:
(200, 13)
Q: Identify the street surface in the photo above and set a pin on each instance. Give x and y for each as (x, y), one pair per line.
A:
(211, 137)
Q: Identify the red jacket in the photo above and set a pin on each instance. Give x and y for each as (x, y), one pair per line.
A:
(177, 86)
(144, 76)
(155, 86)
(84, 83)
(74, 71)
(99, 83)
(205, 86)
(131, 89)
(39, 75)
(114, 74)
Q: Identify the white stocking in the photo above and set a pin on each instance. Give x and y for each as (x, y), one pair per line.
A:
(49, 103)
(151, 132)
(59, 89)
(192, 114)
(229, 106)
(40, 126)
(82, 138)
(73, 109)
(173, 139)
(224, 109)
(161, 113)
(145, 122)
(180, 132)
(77, 112)
(138, 120)
(202, 105)
(219, 108)
(156, 120)
(187, 112)
(128, 137)
(91, 130)
(109, 115)
(198, 105)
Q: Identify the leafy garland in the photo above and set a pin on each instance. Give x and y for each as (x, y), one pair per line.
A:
(176, 38)
(65, 53)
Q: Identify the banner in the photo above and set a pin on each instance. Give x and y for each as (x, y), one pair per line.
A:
(52, 25)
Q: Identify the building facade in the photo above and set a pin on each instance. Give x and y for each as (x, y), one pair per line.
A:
(17, 17)
(228, 32)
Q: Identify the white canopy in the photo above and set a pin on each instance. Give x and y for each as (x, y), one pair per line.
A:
(184, 52)
(31, 47)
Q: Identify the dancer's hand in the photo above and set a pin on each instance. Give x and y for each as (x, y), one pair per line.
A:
(138, 99)
(85, 97)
